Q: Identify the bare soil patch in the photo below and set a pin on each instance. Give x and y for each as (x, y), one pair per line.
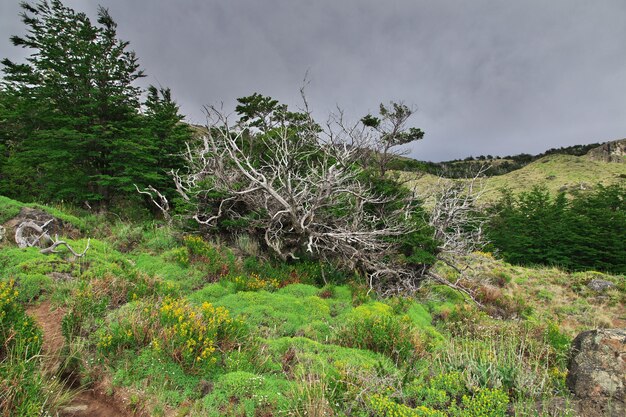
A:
(92, 403)
(50, 322)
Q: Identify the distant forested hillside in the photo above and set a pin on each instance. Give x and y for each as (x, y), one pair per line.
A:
(496, 165)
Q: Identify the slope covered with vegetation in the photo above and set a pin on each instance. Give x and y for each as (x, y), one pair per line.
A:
(464, 168)
(177, 323)
(561, 210)
(556, 172)
(279, 268)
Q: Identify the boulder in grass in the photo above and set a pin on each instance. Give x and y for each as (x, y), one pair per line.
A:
(600, 285)
(597, 372)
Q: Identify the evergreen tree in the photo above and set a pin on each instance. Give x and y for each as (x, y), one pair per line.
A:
(167, 134)
(598, 225)
(72, 111)
(586, 232)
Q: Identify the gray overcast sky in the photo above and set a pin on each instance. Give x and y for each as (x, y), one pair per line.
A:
(487, 76)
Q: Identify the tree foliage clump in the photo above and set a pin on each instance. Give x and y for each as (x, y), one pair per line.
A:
(392, 132)
(585, 232)
(303, 191)
(72, 128)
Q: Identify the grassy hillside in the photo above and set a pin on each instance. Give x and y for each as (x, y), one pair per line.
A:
(462, 168)
(10, 208)
(556, 172)
(167, 324)
(559, 172)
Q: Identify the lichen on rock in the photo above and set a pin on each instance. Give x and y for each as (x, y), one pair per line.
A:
(597, 372)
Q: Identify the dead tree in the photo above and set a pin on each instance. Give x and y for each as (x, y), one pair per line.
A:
(458, 226)
(299, 187)
(29, 234)
(297, 184)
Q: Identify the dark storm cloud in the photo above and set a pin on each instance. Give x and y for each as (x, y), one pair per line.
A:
(488, 77)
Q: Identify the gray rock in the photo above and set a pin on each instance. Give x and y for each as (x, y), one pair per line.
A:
(75, 408)
(600, 285)
(614, 151)
(597, 372)
(61, 276)
(56, 226)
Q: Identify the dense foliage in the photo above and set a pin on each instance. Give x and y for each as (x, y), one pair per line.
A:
(72, 127)
(586, 232)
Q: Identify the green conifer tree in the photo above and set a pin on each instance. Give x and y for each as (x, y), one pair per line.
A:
(73, 111)
(167, 134)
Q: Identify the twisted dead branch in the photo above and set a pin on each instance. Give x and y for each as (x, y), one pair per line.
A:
(42, 239)
(158, 199)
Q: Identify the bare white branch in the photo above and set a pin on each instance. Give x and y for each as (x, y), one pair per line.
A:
(158, 199)
(29, 234)
(299, 186)
(457, 226)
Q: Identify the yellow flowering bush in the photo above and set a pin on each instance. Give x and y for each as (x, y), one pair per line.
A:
(192, 336)
(92, 299)
(15, 325)
(24, 390)
(485, 255)
(180, 255)
(8, 297)
(485, 403)
(255, 283)
(385, 407)
(381, 332)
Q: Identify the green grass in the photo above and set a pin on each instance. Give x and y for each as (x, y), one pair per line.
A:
(556, 172)
(277, 315)
(245, 393)
(10, 208)
(333, 349)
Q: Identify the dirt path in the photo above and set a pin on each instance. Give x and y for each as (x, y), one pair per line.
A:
(92, 404)
(89, 403)
(50, 322)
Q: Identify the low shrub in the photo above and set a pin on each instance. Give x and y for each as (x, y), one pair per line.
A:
(383, 406)
(274, 314)
(243, 393)
(254, 283)
(440, 392)
(373, 327)
(515, 358)
(32, 286)
(90, 300)
(15, 325)
(214, 260)
(484, 403)
(162, 381)
(189, 335)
